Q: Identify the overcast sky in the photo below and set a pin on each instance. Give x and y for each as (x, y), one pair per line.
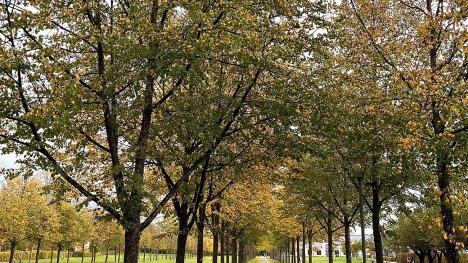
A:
(7, 161)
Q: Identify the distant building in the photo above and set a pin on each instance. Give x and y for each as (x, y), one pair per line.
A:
(321, 249)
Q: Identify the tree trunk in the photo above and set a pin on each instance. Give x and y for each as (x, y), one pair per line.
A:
(118, 258)
(52, 255)
(347, 226)
(12, 251)
(451, 253)
(421, 256)
(68, 255)
(330, 238)
(293, 250)
(298, 250)
(38, 247)
(376, 207)
(92, 252)
(200, 222)
(215, 245)
(30, 253)
(234, 249)
(132, 240)
(242, 256)
(311, 253)
(361, 218)
(200, 230)
(227, 246)
(82, 252)
(107, 252)
(223, 244)
(430, 256)
(216, 207)
(288, 258)
(303, 243)
(181, 239)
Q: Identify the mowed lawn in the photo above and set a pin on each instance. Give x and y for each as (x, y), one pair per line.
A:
(161, 259)
(101, 259)
(322, 259)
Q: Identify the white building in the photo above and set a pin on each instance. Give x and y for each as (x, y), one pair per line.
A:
(321, 249)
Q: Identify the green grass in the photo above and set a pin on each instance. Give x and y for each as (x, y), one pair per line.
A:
(101, 259)
(342, 259)
(162, 259)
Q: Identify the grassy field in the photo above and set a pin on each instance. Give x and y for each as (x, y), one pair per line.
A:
(323, 259)
(101, 259)
(161, 259)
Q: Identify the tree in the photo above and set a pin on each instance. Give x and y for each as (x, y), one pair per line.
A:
(13, 213)
(119, 113)
(430, 69)
(250, 207)
(109, 234)
(340, 199)
(417, 231)
(41, 217)
(68, 224)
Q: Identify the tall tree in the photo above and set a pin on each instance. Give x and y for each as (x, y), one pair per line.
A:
(77, 90)
(421, 43)
(13, 214)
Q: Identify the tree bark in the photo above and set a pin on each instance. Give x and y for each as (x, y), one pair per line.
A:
(242, 257)
(303, 243)
(451, 253)
(330, 238)
(68, 255)
(215, 208)
(376, 207)
(293, 250)
(223, 245)
(38, 247)
(311, 254)
(12, 250)
(347, 226)
(298, 250)
(288, 258)
(182, 239)
(430, 256)
(361, 218)
(52, 255)
(234, 249)
(92, 252)
(132, 240)
(227, 246)
(82, 252)
(421, 256)
(200, 222)
(107, 252)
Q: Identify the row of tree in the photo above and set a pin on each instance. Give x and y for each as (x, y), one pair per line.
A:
(33, 219)
(384, 136)
(242, 115)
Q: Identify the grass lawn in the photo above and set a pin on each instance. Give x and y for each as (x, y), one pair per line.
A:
(101, 259)
(161, 259)
(323, 259)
